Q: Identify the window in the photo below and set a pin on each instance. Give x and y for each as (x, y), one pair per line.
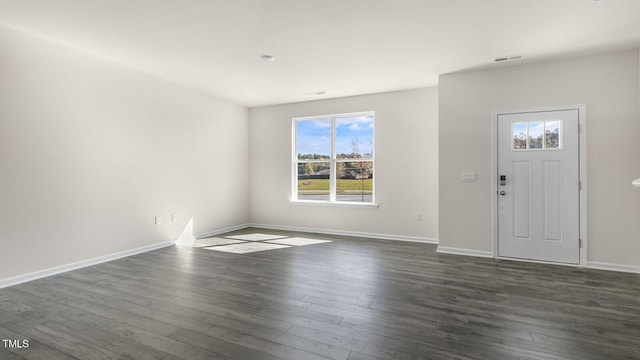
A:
(537, 135)
(334, 158)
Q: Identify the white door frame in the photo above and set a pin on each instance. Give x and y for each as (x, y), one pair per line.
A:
(582, 151)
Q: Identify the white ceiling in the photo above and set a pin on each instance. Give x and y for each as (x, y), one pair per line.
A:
(341, 47)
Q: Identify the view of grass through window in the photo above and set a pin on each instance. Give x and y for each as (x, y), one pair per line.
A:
(335, 159)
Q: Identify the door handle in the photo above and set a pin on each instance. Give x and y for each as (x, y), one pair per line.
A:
(503, 193)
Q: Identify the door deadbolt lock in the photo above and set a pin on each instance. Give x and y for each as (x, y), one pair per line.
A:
(503, 193)
(503, 180)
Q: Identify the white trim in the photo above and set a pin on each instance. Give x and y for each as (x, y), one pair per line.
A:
(418, 239)
(81, 264)
(582, 123)
(333, 182)
(465, 252)
(613, 267)
(333, 160)
(336, 203)
(537, 261)
(582, 150)
(325, 116)
(494, 183)
(591, 264)
(222, 231)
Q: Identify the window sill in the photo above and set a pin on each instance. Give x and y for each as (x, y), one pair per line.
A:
(336, 204)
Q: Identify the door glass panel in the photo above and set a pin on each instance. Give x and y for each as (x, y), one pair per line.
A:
(519, 136)
(536, 130)
(552, 134)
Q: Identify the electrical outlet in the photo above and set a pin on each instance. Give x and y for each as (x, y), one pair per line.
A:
(419, 216)
(158, 220)
(174, 217)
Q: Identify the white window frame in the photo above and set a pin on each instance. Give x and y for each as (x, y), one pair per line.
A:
(333, 161)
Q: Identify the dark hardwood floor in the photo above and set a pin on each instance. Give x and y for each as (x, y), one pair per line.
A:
(347, 299)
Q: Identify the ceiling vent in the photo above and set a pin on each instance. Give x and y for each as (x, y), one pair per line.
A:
(508, 58)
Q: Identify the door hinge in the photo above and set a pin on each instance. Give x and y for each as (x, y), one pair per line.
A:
(579, 128)
(579, 185)
(580, 242)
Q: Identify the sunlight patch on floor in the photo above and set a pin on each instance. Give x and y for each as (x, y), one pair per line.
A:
(215, 242)
(255, 237)
(249, 243)
(247, 247)
(296, 241)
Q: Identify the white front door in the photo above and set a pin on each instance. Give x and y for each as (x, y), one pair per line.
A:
(538, 193)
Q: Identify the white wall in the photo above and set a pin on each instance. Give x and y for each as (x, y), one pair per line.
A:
(90, 152)
(607, 84)
(406, 166)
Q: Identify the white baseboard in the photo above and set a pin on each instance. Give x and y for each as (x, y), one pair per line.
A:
(590, 264)
(346, 233)
(613, 267)
(221, 231)
(465, 252)
(80, 264)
